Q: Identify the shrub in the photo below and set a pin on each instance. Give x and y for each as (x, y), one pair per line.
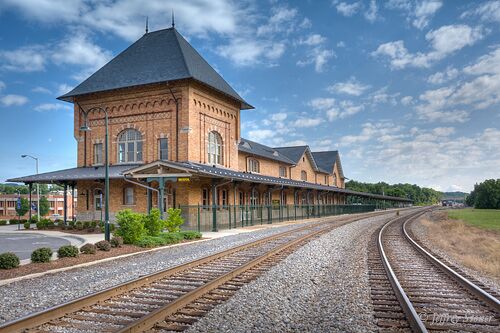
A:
(153, 222)
(79, 225)
(13, 221)
(131, 226)
(172, 237)
(151, 241)
(174, 220)
(42, 224)
(50, 224)
(71, 224)
(3, 222)
(88, 249)
(103, 245)
(67, 251)
(27, 225)
(8, 260)
(23, 221)
(190, 234)
(116, 241)
(86, 224)
(34, 219)
(112, 226)
(42, 254)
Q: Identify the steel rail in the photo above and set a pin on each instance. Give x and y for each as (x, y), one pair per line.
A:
(58, 311)
(470, 286)
(414, 320)
(149, 321)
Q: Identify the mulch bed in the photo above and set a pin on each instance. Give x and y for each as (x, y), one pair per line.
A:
(67, 262)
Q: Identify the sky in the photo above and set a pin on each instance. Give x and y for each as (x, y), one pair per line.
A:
(407, 91)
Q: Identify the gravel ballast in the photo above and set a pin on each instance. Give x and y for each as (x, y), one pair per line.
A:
(27, 296)
(322, 287)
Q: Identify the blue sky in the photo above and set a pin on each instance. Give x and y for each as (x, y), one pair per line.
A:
(407, 91)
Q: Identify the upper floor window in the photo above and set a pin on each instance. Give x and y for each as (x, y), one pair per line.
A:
(163, 149)
(253, 165)
(282, 171)
(130, 146)
(335, 179)
(98, 153)
(214, 148)
(303, 175)
(326, 180)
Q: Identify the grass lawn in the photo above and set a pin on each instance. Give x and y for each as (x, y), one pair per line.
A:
(488, 219)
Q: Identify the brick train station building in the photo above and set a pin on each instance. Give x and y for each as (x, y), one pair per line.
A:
(175, 141)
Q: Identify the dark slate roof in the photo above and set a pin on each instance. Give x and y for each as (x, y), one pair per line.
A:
(213, 171)
(327, 159)
(74, 174)
(158, 56)
(261, 150)
(293, 153)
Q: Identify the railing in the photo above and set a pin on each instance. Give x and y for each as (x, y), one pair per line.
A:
(202, 218)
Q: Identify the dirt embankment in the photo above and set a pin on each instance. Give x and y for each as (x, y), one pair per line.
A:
(470, 247)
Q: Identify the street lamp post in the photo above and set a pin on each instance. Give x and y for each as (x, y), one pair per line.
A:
(86, 128)
(37, 186)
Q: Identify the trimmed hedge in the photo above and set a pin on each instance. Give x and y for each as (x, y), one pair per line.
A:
(67, 251)
(13, 221)
(103, 245)
(27, 225)
(9, 260)
(42, 254)
(167, 238)
(3, 222)
(191, 234)
(88, 249)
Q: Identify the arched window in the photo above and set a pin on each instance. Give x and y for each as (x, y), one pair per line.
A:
(129, 146)
(303, 175)
(253, 165)
(214, 148)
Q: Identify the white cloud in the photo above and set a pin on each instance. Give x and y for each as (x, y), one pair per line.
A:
(487, 64)
(372, 12)
(2, 85)
(249, 52)
(80, 50)
(24, 59)
(319, 57)
(63, 89)
(424, 11)
(349, 87)
(279, 116)
(13, 100)
(349, 108)
(261, 134)
(307, 122)
(487, 11)
(52, 107)
(407, 100)
(382, 97)
(281, 20)
(444, 41)
(42, 90)
(348, 9)
(441, 77)
(313, 40)
(322, 103)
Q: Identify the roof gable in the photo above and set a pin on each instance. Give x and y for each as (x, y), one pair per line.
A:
(294, 153)
(159, 56)
(327, 159)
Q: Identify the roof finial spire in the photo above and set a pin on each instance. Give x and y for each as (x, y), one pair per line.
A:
(173, 20)
(147, 25)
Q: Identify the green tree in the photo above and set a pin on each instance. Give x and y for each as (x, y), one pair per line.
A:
(44, 206)
(25, 207)
(485, 195)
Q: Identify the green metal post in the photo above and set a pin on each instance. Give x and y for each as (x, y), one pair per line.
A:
(214, 206)
(198, 219)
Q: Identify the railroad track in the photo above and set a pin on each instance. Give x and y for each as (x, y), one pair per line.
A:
(175, 298)
(412, 290)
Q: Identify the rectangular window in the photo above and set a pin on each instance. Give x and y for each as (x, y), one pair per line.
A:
(11, 204)
(163, 149)
(128, 196)
(242, 199)
(326, 180)
(139, 151)
(282, 171)
(253, 165)
(121, 152)
(98, 153)
(204, 198)
(224, 197)
(130, 152)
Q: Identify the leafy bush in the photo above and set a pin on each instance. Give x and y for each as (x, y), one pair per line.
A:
(42, 224)
(50, 224)
(131, 226)
(172, 237)
(34, 219)
(42, 254)
(116, 241)
(151, 241)
(102, 226)
(79, 225)
(174, 220)
(8, 260)
(13, 221)
(3, 222)
(103, 245)
(86, 224)
(27, 225)
(190, 234)
(23, 221)
(153, 222)
(67, 251)
(88, 249)
(71, 224)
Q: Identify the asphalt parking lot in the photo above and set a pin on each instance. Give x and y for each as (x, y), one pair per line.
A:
(24, 243)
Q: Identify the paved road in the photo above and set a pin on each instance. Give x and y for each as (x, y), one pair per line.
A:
(23, 244)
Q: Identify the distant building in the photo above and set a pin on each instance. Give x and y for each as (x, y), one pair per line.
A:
(56, 206)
